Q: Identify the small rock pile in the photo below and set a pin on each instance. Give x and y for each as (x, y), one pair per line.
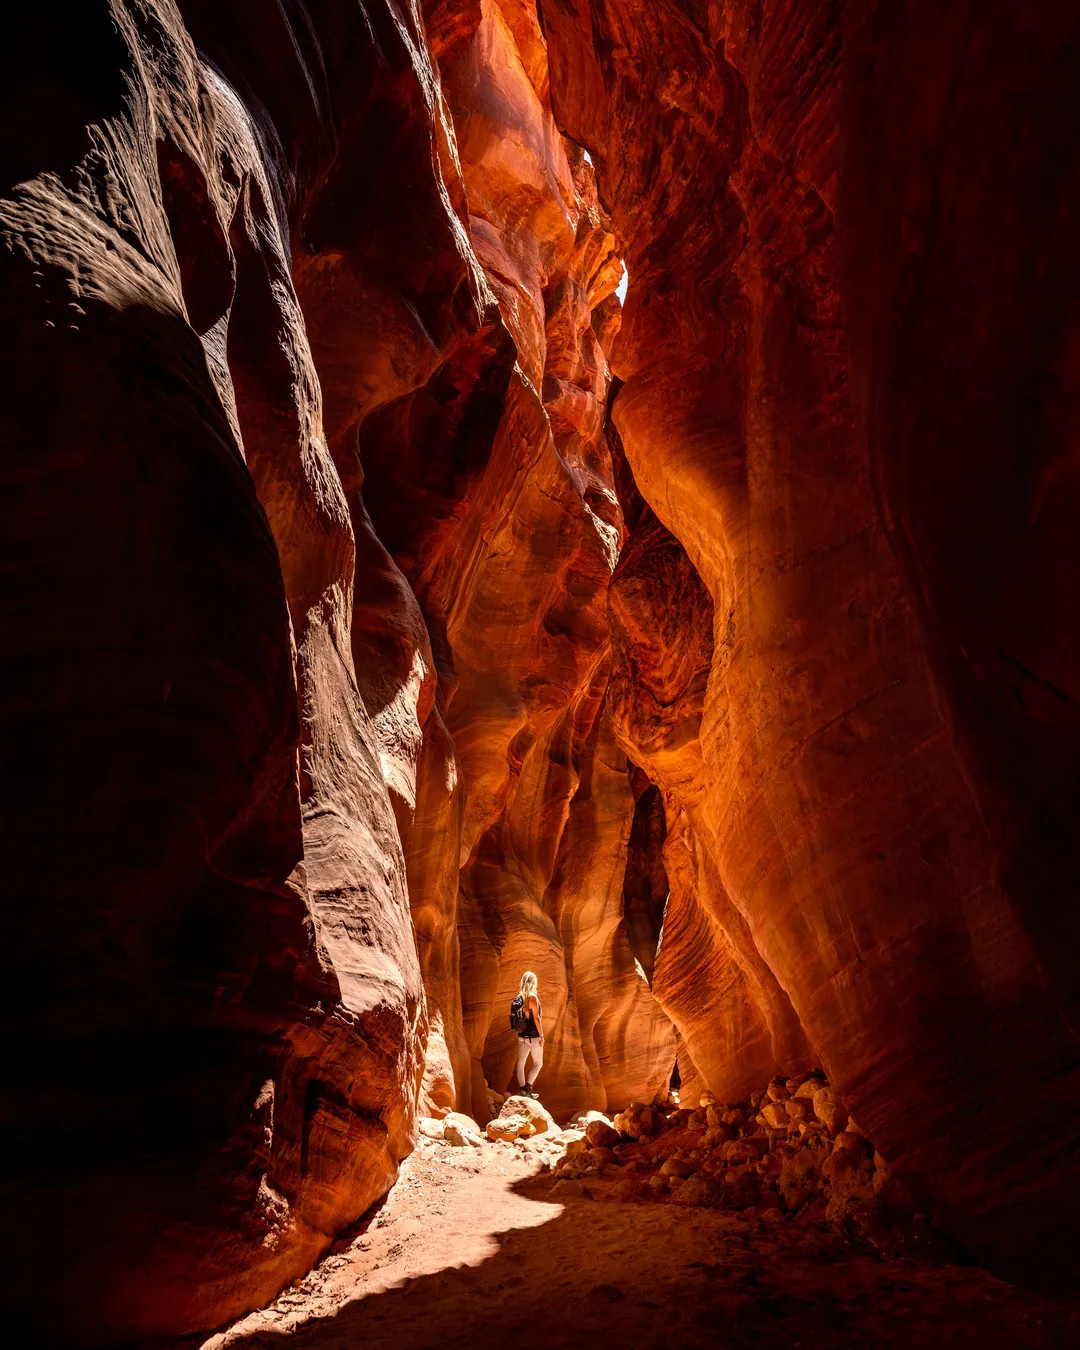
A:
(521, 1120)
(454, 1128)
(792, 1153)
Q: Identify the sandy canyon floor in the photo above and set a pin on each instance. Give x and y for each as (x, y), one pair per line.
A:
(471, 1249)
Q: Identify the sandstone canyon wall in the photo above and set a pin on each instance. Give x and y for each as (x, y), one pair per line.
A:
(256, 726)
(869, 768)
(509, 550)
(367, 643)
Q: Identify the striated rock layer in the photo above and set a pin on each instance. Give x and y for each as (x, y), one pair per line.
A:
(217, 982)
(492, 486)
(845, 359)
(256, 722)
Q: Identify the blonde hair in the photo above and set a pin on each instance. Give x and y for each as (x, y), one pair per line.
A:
(528, 985)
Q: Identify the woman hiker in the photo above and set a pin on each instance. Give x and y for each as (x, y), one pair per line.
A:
(531, 1036)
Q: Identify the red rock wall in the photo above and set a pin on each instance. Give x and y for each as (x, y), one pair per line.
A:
(509, 537)
(253, 263)
(346, 629)
(226, 1009)
(876, 793)
(738, 1023)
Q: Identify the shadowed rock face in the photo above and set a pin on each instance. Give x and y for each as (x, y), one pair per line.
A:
(255, 726)
(854, 423)
(365, 648)
(216, 984)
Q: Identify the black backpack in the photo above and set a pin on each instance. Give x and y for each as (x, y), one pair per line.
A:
(517, 1014)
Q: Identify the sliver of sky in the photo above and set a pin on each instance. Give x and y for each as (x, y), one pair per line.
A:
(624, 281)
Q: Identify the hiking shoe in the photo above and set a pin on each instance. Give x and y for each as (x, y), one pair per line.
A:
(526, 1091)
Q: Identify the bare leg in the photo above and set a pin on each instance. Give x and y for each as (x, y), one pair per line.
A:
(536, 1051)
(523, 1051)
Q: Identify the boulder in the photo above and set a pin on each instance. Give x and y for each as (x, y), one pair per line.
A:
(676, 1167)
(799, 1168)
(506, 1129)
(429, 1127)
(829, 1111)
(528, 1107)
(462, 1121)
(585, 1118)
(852, 1142)
(794, 1198)
(462, 1131)
(637, 1121)
(699, 1193)
(601, 1134)
(845, 1180)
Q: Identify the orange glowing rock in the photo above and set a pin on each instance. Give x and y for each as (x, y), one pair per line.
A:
(823, 401)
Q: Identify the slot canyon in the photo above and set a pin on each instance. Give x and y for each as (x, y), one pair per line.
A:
(579, 486)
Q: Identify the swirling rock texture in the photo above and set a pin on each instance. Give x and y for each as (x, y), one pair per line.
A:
(254, 739)
(508, 537)
(367, 644)
(851, 304)
(739, 1021)
(202, 836)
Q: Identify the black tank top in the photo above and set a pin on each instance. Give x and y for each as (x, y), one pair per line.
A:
(529, 1031)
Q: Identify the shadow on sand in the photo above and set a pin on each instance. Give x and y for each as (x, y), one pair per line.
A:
(641, 1276)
